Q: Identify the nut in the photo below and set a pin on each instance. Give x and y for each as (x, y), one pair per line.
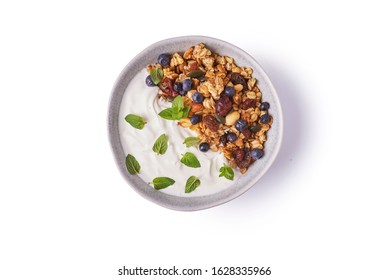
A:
(238, 88)
(185, 122)
(211, 123)
(237, 98)
(195, 107)
(232, 117)
(253, 117)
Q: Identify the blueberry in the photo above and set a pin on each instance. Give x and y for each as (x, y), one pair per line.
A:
(229, 91)
(187, 84)
(195, 119)
(164, 59)
(204, 147)
(183, 92)
(256, 153)
(265, 118)
(197, 97)
(149, 82)
(264, 106)
(231, 137)
(177, 86)
(240, 125)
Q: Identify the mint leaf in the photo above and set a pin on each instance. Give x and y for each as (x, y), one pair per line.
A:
(227, 172)
(167, 114)
(190, 160)
(136, 121)
(178, 103)
(156, 75)
(177, 107)
(162, 182)
(190, 141)
(177, 112)
(132, 164)
(160, 145)
(191, 184)
(185, 111)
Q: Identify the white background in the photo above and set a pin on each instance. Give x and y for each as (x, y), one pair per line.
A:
(321, 212)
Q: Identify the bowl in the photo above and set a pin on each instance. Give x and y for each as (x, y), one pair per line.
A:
(243, 183)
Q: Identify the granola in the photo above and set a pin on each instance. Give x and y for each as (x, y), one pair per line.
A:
(233, 117)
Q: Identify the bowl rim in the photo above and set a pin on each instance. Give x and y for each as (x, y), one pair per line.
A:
(170, 201)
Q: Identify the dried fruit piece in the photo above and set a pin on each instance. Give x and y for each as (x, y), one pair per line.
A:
(245, 162)
(238, 155)
(223, 105)
(248, 103)
(211, 123)
(193, 65)
(238, 79)
(167, 87)
(246, 133)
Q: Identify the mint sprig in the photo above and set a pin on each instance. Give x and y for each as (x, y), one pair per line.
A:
(227, 172)
(177, 111)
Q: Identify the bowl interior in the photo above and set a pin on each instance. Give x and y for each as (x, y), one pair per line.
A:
(256, 170)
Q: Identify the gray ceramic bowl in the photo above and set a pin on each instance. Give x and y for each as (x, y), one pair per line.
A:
(256, 170)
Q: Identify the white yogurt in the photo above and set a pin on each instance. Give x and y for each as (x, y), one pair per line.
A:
(141, 100)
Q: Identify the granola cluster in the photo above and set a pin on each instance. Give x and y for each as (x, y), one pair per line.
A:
(239, 111)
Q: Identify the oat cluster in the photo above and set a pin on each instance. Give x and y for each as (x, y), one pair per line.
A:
(238, 110)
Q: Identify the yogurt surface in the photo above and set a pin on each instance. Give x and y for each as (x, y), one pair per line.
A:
(143, 101)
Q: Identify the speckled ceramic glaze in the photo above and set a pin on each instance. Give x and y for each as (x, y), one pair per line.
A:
(256, 170)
